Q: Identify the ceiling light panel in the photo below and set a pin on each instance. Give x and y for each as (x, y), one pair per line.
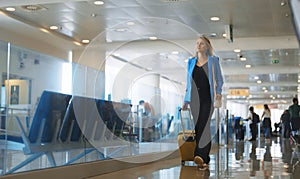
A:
(98, 3)
(10, 9)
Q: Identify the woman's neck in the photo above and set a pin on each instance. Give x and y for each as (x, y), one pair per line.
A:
(202, 56)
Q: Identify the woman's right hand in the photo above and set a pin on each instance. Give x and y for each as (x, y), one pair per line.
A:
(185, 106)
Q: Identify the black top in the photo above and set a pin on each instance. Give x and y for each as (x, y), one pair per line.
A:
(201, 81)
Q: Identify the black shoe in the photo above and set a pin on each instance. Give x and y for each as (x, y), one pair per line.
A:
(251, 139)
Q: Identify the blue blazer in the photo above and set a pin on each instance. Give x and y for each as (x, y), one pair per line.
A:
(212, 61)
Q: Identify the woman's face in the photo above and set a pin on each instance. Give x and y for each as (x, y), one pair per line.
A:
(201, 45)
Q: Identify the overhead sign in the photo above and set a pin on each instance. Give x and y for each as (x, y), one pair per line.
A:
(239, 92)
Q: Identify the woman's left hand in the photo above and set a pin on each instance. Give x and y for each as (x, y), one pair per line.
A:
(218, 96)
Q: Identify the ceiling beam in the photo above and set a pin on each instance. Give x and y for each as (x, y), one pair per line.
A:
(264, 84)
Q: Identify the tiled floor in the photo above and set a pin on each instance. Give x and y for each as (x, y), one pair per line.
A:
(277, 158)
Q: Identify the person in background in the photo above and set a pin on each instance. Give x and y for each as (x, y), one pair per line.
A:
(294, 110)
(266, 116)
(253, 126)
(285, 121)
(231, 126)
(147, 108)
(202, 70)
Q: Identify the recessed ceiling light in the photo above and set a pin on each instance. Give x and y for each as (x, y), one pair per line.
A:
(98, 3)
(256, 77)
(120, 30)
(85, 41)
(10, 9)
(130, 23)
(77, 43)
(93, 15)
(175, 52)
(243, 59)
(248, 66)
(259, 81)
(215, 18)
(282, 3)
(33, 8)
(153, 38)
(44, 30)
(224, 35)
(53, 27)
(237, 50)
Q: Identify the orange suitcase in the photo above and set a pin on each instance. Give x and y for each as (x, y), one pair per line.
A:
(186, 137)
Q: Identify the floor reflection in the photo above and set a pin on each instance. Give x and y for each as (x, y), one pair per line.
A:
(278, 158)
(189, 171)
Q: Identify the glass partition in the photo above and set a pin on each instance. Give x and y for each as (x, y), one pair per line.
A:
(56, 113)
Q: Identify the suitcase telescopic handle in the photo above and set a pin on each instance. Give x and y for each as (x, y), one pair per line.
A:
(191, 122)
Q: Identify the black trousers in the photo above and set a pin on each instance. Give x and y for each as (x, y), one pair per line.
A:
(202, 116)
(254, 130)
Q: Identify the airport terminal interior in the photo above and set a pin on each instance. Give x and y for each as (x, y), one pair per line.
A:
(95, 89)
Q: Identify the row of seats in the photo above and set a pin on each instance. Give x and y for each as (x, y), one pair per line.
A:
(63, 122)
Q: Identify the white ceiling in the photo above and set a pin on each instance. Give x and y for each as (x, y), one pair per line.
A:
(262, 29)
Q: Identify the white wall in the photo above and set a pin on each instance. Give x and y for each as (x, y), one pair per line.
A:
(48, 73)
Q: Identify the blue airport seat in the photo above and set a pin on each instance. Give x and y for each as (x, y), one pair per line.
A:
(43, 130)
(51, 108)
(63, 122)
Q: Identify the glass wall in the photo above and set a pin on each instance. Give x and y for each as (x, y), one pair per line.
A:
(55, 112)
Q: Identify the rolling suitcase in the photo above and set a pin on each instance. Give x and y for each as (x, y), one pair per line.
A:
(186, 137)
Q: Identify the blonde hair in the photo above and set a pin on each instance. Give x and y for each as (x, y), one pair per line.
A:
(209, 51)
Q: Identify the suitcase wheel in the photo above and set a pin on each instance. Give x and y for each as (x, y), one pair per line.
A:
(182, 162)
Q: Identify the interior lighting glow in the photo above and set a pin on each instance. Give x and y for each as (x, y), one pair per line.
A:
(248, 66)
(259, 81)
(10, 9)
(153, 38)
(215, 18)
(98, 3)
(120, 30)
(130, 23)
(85, 41)
(77, 43)
(53, 27)
(237, 50)
(243, 59)
(44, 30)
(282, 3)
